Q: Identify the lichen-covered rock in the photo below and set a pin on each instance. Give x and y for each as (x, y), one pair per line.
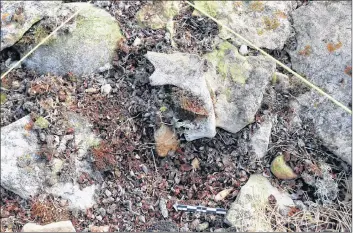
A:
(18, 16)
(238, 87)
(323, 55)
(265, 23)
(20, 163)
(158, 14)
(89, 44)
(63, 226)
(186, 72)
(247, 213)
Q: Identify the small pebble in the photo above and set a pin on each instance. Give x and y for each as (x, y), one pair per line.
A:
(202, 226)
(243, 49)
(105, 89)
(99, 218)
(63, 203)
(142, 218)
(102, 211)
(15, 84)
(137, 42)
(108, 193)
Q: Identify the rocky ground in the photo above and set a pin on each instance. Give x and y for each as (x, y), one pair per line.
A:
(114, 120)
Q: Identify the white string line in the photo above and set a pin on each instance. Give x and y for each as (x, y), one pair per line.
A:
(318, 89)
(42, 42)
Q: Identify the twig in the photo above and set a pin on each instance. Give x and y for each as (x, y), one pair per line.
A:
(154, 161)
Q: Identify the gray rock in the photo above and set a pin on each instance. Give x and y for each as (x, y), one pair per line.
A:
(18, 145)
(63, 226)
(322, 55)
(102, 211)
(90, 44)
(247, 213)
(19, 16)
(185, 71)
(264, 23)
(203, 226)
(261, 138)
(239, 85)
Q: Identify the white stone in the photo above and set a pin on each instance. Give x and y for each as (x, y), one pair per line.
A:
(137, 41)
(105, 89)
(63, 226)
(243, 50)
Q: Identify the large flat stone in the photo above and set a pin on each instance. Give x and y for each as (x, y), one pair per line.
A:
(90, 44)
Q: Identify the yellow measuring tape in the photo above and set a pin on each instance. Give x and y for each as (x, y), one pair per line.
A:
(318, 89)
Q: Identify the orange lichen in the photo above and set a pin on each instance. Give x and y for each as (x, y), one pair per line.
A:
(306, 51)
(333, 47)
(281, 14)
(192, 105)
(29, 126)
(348, 70)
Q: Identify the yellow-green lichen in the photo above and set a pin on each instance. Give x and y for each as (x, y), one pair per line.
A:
(271, 23)
(210, 7)
(41, 123)
(158, 15)
(274, 78)
(163, 109)
(235, 68)
(257, 6)
(3, 98)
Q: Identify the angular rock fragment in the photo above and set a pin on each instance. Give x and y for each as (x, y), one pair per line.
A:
(247, 213)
